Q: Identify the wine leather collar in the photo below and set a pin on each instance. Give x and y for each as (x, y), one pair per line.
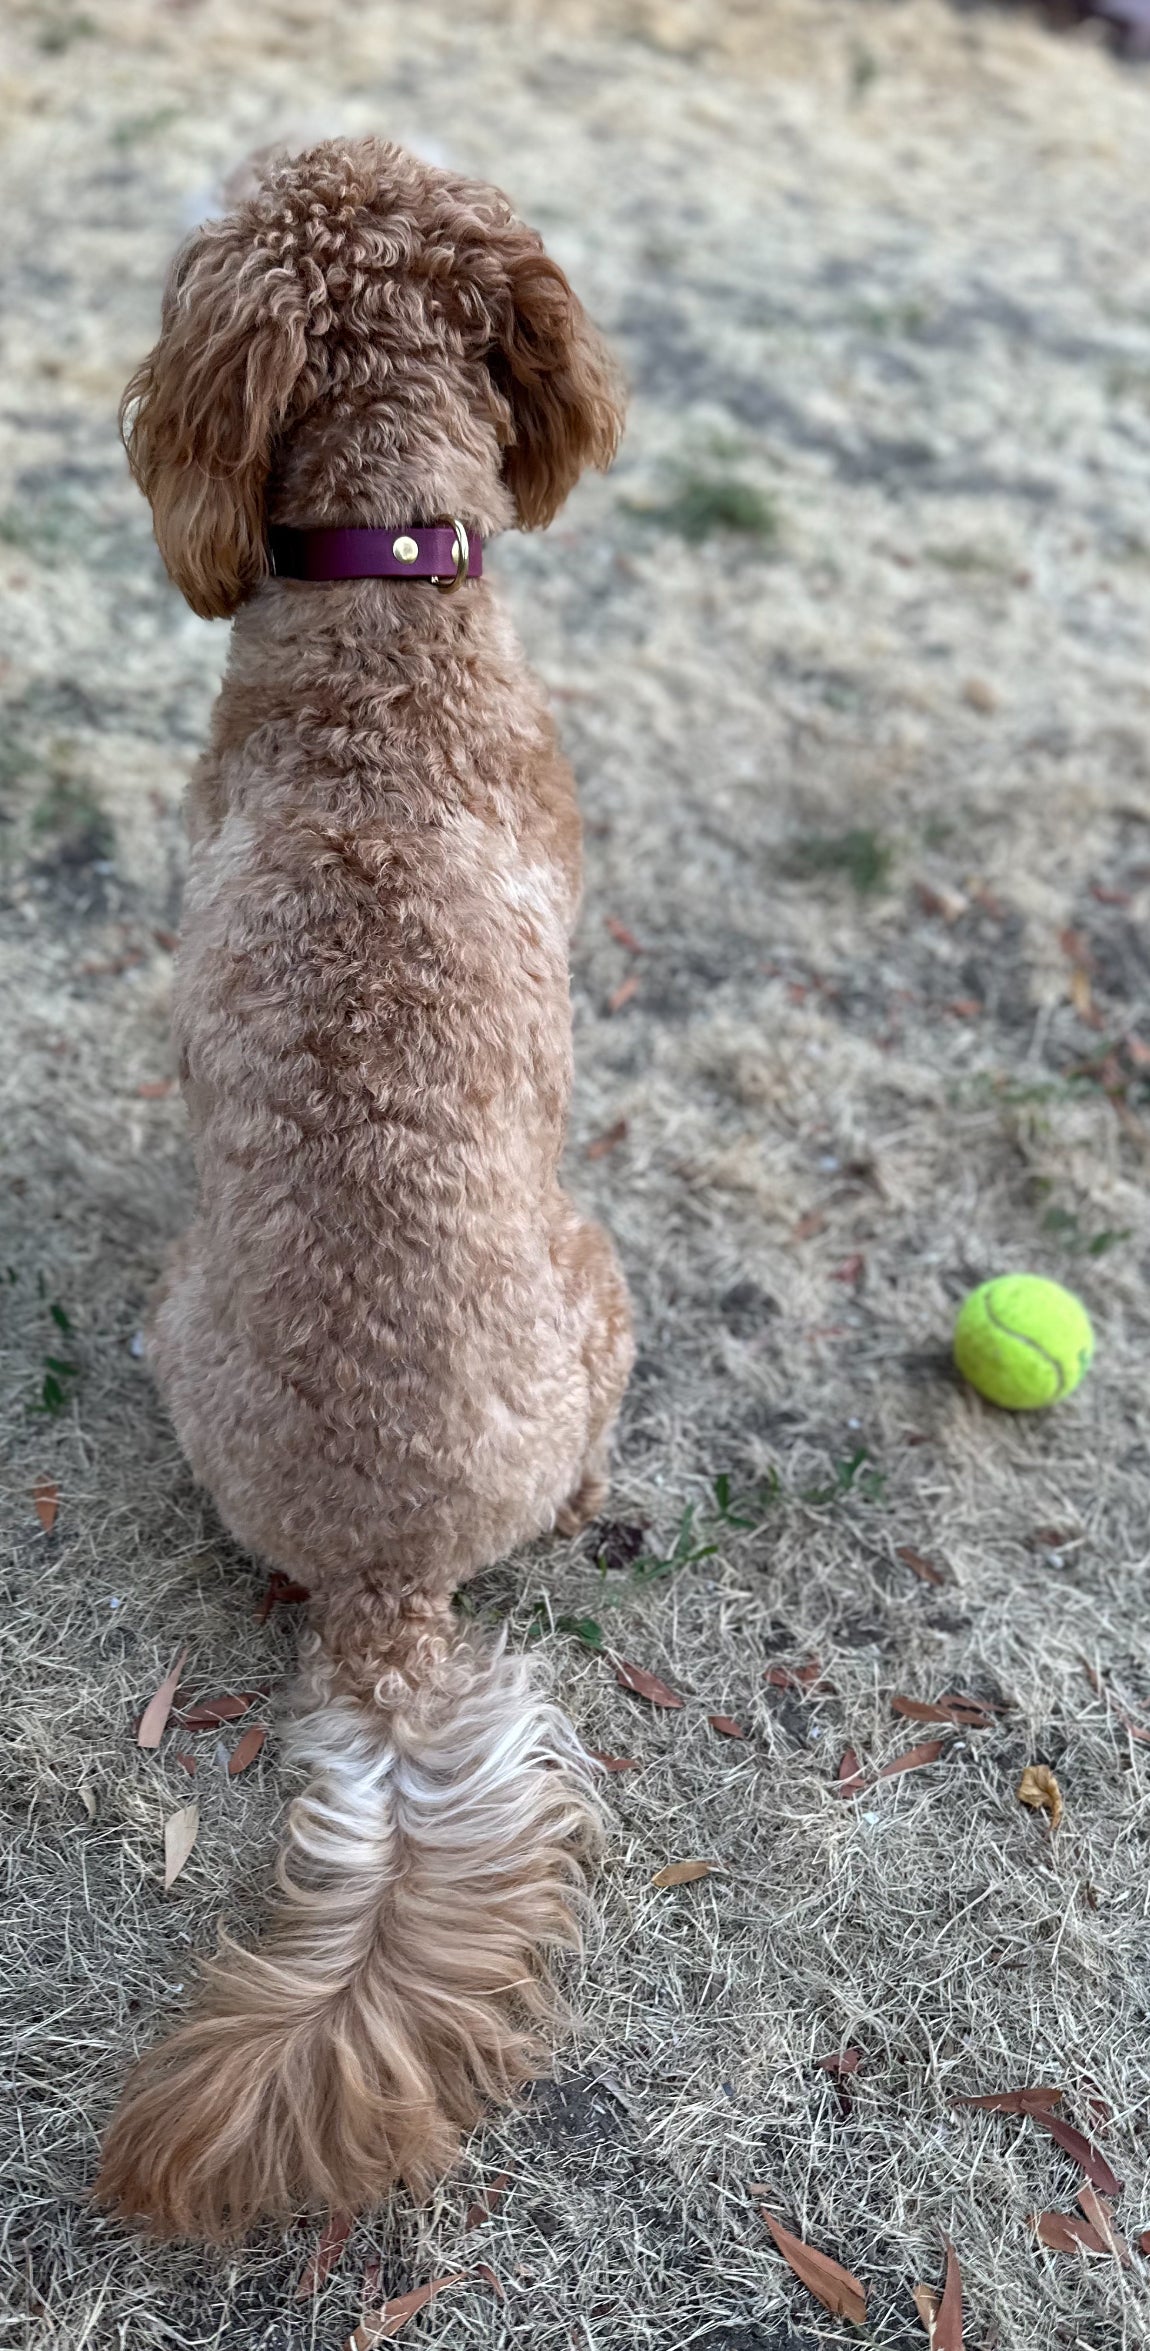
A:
(442, 551)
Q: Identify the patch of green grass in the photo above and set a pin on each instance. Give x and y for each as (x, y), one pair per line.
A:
(850, 1476)
(144, 126)
(55, 1392)
(706, 504)
(860, 855)
(54, 38)
(72, 815)
(863, 70)
(967, 556)
(1067, 1228)
(652, 1566)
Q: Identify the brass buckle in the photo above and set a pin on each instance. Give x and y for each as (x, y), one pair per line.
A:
(462, 555)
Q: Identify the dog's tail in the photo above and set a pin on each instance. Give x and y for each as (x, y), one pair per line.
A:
(436, 1855)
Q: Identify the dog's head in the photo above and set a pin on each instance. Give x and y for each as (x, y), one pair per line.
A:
(363, 340)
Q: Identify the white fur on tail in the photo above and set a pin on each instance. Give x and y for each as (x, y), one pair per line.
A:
(434, 1859)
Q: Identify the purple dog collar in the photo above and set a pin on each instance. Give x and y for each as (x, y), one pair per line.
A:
(443, 551)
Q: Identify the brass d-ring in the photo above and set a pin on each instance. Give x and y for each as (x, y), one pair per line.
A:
(462, 555)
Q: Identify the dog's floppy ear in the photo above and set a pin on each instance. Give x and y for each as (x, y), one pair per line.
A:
(200, 415)
(557, 377)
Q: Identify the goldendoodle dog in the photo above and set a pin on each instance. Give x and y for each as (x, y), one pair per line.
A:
(391, 1346)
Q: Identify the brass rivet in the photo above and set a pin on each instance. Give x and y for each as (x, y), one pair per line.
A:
(404, 550)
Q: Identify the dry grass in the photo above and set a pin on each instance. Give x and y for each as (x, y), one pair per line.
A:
(880, 273)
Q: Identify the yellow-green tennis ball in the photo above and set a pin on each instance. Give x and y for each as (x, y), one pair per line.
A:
(1022, 1341)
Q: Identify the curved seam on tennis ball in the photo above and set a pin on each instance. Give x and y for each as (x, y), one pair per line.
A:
(1022, 1339)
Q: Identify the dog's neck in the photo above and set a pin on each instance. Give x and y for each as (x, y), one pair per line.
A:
(375, 467)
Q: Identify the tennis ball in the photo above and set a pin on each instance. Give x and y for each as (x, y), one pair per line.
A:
(1022, 1341)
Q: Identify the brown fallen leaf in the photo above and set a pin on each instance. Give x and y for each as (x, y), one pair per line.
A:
(946, 2334)
(849, 1779)
(484, 2270)
(813, 1222)
(329, 2250)
(851, 1270)
(793, 1677)
(623, 993)
(246, 1750)
(1144, 2241)
(1083, 2152)
(208, 1713)
(1063, 2232)
(924, 1569)
(726, 1724)
(926, 2303)
(1101, 2218)
(153, 1721)
(1040, 1790)
(486, 2201)
(180, 1832)
(608, 1142)
(966, 1713)
(1137, 1730)
(625, 937)
(154, 1089)
(842, 2069)
(168, 940)
(615, 1762)
(833, 2286)
(912, 1759)
(644, 1684)
(186, 1763)
(1033, 2098)
(280, 1590)
(380, 2326)
(46, 1502)
(682, 1873)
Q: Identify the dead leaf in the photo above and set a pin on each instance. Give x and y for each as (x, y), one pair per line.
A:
(793, 1677)
(1034, 2098)
(1137, 1730)
(328, 2252)
(484, 2270)
(623, 993)
(727, 1725)
(168, 940)
(950, 904)
(486, 2201)
(180, 1833)
(608, 1142)
(615, 1762)
(186, 1763)
(46, 1501)
(1101, 2218)
(154, 1089)
(208, 1713)
(682, 1873)
(281, 1590)
(379, 2326)
(847, 2061)
(1144, 2241)
(852, 1268)
(154, 1719)
(833, 2286)
(912, 1759)
(947, 2332)
(849, 1780)
(1040, 1790)
(926, 2303)
(965, 1007)
(1108, 897)
(246, 1750)
(625, 937)
(1083, 2152)
(924, 1569)
(1063, 2232)
(813, 1222)
(644, 1684)
(966, 1713)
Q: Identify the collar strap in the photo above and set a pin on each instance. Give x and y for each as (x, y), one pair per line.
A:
(443, 551)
